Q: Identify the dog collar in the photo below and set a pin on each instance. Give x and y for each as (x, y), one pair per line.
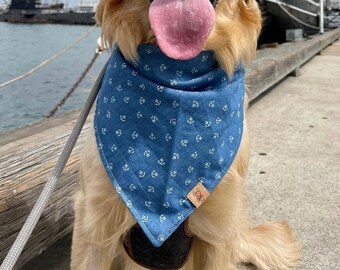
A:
(167, 131)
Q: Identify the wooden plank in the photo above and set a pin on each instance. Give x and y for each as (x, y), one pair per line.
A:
(28, 154)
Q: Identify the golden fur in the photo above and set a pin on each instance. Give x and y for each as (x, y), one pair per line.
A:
(225, 237)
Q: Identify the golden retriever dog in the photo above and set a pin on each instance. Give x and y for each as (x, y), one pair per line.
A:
(223, 234)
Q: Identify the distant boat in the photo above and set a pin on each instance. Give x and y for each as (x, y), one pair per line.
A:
(33, 11)
(281, 15)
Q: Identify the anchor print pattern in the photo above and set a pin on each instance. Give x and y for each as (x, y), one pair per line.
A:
(158, 138)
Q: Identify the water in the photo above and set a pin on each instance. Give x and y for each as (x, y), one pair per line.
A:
(22, 47)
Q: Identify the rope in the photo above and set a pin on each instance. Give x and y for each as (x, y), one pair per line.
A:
(74, 43)
(74, 87)
(45, 195)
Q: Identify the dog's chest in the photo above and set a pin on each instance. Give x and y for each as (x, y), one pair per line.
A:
(162, 127)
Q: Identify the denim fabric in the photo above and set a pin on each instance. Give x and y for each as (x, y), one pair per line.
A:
(163, 125)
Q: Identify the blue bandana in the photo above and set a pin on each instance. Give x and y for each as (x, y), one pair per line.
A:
(167, 129)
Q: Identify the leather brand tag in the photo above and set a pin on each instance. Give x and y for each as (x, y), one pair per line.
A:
(198, 195)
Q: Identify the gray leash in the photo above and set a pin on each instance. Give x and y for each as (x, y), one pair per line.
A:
(45, 195)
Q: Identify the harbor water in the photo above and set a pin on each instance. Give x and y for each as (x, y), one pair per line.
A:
(23, 47)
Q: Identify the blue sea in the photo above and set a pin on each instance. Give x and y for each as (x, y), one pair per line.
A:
(24, 46)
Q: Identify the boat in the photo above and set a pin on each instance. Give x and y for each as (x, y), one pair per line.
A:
(283, 15)
(33, 11)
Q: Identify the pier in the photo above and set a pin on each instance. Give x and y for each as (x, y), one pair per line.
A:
(294, 175)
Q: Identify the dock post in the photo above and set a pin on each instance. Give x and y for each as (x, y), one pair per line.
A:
(321, 18)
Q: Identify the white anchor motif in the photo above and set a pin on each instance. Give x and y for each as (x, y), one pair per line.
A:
(147, 153)
(169, 190)
(216, 135)
(175, 104)
(218, 176)
(109, 166)
(180, 216)
(202, 179)
(184, 143)
(222, 145)
(103, 131)
(122, 118)
(114, 148)
(173, 83)
(151, 189)
(231, 153)
(152, 136)
(211, 104)
(119, 88)
(232, 114)
(207, 165)
(173, 121)
(134, 73)
(133, 187)
(205, 58)
(119, 132)
(210, 78)
(173, 173)
(179, 73)
(195, 104)
(139, 115)
(221, 160)
(207, 123)
(212, 151)
(142, 100)
(110, 81)
(161, 238)
(218, 120)
(126, 167)
(182, 201)
(154, 119)
(141, 174)
(126, 100)
(163, 67)
(146, 67)
(238, 114)
(194, 71)
(166, 205)
(123, 66)
(134, 135)
(225, 108)
(168, 137)
(154, 174)
(142, 86)
(105, 99)
(162, 218)
(131, 150)
(160, 88)
(145, 218)
(118, 189)
(161, 162)
(191, 120)
(175, 156)
(129, 83)
(199, 138)
(113, 99)
(224, 78)
(129, 204)
(187, 182)
(100, 146)
(148, 51)
(194, 155)
(115, 65)
(158, 102)
(190, 169)
(148, 203)
(231, 138)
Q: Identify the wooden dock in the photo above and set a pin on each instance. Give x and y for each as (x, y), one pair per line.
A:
(28, 154)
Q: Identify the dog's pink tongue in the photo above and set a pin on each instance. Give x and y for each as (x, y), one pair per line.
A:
(181, 27)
